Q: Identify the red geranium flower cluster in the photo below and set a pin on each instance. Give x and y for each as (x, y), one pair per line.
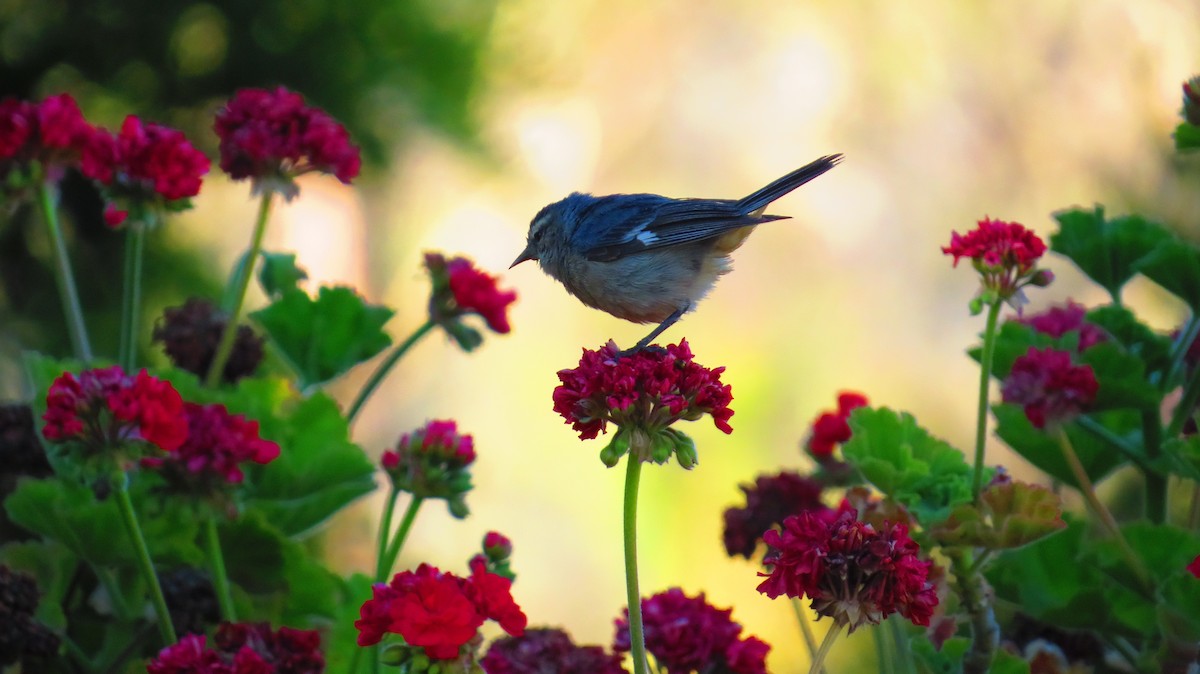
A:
(769, 501)
(216, 444)
(648, 390)
(687, 634)
(1194, 567)
(548, 651)
(831, 429)
(143, 161)
(1058, 321)
(1005, 254)
(244, 648)
(274, 136)
(853, 572)
(438, 612)
(190, 334)
(432, 462)
(52, 132)
(1049, 386)
(458, 288)
(106, 408)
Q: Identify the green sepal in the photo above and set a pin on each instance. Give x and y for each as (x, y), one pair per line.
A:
(1009, 515)
(685, 449)
(615, 449)
(323, 338)
(467, 338)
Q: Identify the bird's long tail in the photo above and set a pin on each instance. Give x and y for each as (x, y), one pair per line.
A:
(788, 183)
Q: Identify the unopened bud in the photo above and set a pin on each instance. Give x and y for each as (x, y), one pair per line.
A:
(1042, 278)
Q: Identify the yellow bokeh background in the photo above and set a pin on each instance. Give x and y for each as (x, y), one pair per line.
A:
(946, 112)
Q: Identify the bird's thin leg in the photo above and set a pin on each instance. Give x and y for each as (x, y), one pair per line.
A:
(671, 320)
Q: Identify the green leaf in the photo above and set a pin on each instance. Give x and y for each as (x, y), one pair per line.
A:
(325, 337)
(1122, 379)
(1164, 550)
(1187, 137)
(948, 660)
(51, 565)
(1179, 612)
(1106, 250)
(1008, 663)
(1175, 265)
(1138, 339)
(1042, 450)
(1014, 339)
(343, 636)
(1180, 456)
(279, 273)
(1009, 516)
(925, 474)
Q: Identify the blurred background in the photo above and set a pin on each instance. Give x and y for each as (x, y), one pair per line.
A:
(473, 114)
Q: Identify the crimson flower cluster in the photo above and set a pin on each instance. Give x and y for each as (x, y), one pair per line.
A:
(1058, 321)
(1005, 254)
(458, 289)
(272, 137)
(831, 429)
(190, 334)
(432, 462)
(52, 132)
(243, 648)
(437, 611)
(107, 408)
(852, 572)
(769, 501)
(1049, 386)
(217, 444)
(642, 394)
(687, 634)
(142, 164)
(548, 651)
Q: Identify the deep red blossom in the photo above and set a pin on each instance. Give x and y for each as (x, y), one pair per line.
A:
(769, 501)
(189, 656)
(1194, 567)
(52, 131)
(17, 125)
(475, 290)
(273, 134)
(438, 611)
(1049, 386)
(851, 571)
(831, 429)
(1058, 321)
(548, 651)
(243, 648)
(106, 407)
(687, 634)
(650, 389)
(1005, 254)
(144, 160)
(217, 443)
(433, 462)
(190, 334)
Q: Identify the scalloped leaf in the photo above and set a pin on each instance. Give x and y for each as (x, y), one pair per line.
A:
(1175, 265)
(325, 337)
(1009, 516)
(279, 273)
(1107, 251)
(927, 475)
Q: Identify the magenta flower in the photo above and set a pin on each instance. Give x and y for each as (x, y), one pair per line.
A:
(272, 137)
(831, 429)
(458, 288)
(1050, 388)
(1058, 321)
(432, 462)
(548, 650)
(104, 408)
(851, 571)
(769, 501)
(52, 132)
(1005, 254)
(217, 444)
(687, 634)
(243, 648)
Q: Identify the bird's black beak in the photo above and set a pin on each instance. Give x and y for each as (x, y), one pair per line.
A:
(525, 255)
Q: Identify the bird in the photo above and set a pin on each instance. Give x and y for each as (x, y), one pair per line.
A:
(647, 258)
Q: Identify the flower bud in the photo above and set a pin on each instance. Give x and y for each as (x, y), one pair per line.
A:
(497, 546)
(1042, 278)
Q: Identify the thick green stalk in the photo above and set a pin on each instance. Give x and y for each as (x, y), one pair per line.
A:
(216, 566)
(818, 661)
(393, 550)
(145, 564)
(76, 328)
(1156, 483)
(810, 642)
(385, 530)
(637, 639)
(131, 295)
(985, 380)
(384, 368)
(971, 589)
(225, 346)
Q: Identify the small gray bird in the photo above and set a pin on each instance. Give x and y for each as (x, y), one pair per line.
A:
(648, 258)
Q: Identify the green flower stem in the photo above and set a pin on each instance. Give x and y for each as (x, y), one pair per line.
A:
(393, 551)
(637, 639)
(131, 295)
(904, 662)
(972, 592)
(818, 661)
(883, 656)
(1088, 490)
(216, 565)
(1156, 483)
(145, 565)
(1187, 405)
(225, 346)
(384, 368)
(76, 328)
(809, 640)
(385, 530)
(985, 380)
